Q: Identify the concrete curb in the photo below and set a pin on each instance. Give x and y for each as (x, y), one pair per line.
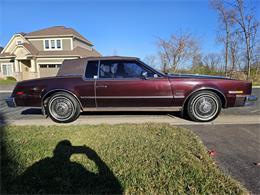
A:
(92, 120)
(5, 91)
(256, 87)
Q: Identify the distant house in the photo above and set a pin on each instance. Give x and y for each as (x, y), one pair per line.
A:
(41, 53)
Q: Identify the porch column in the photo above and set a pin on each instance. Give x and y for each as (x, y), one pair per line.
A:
(33, 65)
(16, 66)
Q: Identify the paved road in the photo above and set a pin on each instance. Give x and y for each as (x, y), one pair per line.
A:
(234, 135)
(23, 115)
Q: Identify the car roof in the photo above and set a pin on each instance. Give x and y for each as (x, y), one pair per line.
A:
(75, 67)
(112, 58)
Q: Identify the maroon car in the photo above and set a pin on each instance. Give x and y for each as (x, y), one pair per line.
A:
(127, 84)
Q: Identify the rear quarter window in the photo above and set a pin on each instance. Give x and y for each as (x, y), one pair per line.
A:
(91, 69)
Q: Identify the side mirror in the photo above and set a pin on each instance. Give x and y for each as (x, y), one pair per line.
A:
(144, 75)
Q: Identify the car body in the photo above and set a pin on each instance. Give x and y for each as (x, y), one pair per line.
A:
(127, 84)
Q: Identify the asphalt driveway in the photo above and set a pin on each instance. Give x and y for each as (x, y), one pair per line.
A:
(237, 150)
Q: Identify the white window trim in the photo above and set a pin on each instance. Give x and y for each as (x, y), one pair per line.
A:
(48, 64)
(7, 64)
(55, 43)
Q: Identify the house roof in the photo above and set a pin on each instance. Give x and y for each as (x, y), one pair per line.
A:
(30, 48)
(57, 31)
(78, 51)
(6, 55)
(1, 49)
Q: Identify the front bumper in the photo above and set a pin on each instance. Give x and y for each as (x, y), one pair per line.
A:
(10, 101)
(250, 100)
(245, 100)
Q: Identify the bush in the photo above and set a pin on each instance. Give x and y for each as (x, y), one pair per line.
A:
(11, 78)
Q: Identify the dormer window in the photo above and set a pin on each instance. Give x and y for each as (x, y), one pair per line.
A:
(58, 44)
(52, 44)
(47, 46)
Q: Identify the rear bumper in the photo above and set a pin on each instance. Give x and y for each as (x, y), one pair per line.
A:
(10, 101)
(245, 100)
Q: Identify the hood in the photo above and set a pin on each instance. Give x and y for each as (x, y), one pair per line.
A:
(200, 76)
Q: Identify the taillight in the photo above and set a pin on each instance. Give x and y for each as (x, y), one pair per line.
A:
(19, 93)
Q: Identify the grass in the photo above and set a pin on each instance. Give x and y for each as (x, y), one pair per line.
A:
(6, 82)
(130, 159)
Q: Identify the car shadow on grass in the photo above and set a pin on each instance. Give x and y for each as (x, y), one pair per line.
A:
(59, 175)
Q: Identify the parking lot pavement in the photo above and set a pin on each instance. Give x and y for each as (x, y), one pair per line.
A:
(237, 149)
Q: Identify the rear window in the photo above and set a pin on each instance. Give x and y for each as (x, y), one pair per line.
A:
(92, 69)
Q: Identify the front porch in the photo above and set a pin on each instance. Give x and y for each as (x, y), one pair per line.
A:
(25, 69)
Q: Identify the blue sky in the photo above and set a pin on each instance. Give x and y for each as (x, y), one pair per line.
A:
(115, 27)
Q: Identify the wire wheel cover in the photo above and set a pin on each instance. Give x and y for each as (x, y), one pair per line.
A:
(61, 108)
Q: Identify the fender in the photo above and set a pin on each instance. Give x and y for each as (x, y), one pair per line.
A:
(210, 89)
(58, 90)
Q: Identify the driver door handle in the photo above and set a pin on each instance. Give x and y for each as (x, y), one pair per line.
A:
(101, 86)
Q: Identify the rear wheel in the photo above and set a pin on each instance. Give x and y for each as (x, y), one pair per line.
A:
(204, 106)
(63, 107)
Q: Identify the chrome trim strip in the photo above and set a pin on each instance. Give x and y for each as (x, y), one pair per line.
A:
(126, 97)
(179, 96)
(118, 109)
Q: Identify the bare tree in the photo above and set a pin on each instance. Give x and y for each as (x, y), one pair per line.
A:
(226, 25)
(212, 60)
(177, 50)
(248, 26)
(150, 60)
(235, 39)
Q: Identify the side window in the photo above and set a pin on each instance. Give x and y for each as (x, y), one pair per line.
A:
(133, 70)
(107, 69)
(122, 69)
(92, 69)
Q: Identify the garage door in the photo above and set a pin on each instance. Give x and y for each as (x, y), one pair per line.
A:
(47, 70)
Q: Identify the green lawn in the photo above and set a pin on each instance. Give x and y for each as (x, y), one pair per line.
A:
(6, 82)
(147, 158)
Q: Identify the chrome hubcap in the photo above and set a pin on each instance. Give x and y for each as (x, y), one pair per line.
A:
(205, 107)
(61, 108)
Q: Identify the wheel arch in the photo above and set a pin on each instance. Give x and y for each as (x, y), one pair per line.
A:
(51, 92)
(218, 92)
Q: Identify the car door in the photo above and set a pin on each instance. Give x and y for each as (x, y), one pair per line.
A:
(120, 84)
(86, 87)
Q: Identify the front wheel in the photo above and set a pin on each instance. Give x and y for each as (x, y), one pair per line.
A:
(204, 106)
(63, 107)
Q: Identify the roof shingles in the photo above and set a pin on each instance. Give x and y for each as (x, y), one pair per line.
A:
(57, 31)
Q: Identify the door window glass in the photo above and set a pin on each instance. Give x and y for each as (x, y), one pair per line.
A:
(122, 69)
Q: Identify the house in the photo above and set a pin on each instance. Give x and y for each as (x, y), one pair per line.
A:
(1, 49)
(41, 53)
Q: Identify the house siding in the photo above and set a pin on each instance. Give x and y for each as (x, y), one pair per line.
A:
(38, 44)
(78, 43)
(66, 44)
